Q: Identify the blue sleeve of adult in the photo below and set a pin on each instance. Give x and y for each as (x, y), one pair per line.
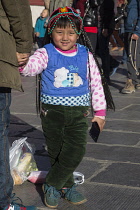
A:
(137, 28)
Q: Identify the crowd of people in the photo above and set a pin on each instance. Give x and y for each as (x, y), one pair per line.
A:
(76, 34)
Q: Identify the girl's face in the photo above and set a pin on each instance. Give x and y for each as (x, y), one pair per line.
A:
(64, 38)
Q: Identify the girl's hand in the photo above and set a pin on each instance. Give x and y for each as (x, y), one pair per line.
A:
(100, 122)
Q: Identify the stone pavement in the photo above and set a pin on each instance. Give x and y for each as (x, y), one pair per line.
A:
(111, 166)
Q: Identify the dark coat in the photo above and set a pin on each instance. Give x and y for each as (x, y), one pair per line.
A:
(107, 15)
(91, 17)
(15, 36)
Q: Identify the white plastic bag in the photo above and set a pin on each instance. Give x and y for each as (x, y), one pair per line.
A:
(40, 176)
(15, 152)
(78, 177)
(21, 159)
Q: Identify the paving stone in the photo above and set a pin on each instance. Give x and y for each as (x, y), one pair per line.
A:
(111, 137)
(89, 167)
(120, 174)
(114, 153)
(124, 115)
(123, 126)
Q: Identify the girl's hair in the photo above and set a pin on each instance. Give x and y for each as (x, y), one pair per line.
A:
(85, 41)
(65, 16)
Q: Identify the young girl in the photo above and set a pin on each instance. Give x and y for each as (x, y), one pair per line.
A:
(66, 91)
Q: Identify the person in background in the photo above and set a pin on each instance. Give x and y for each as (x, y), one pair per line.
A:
(65, 96)
(132, 45)
(54, 4)
(47, 4)
(15, 47)
(106, 27)
(89, 13)
(40, 27)
(115, 39)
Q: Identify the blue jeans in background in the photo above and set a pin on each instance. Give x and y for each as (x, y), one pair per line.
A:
(135, 50)
(6, 181)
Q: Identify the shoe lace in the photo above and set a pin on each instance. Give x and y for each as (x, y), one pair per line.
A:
(128, 84)
(52, 192)
(72, 191)
(14, 200)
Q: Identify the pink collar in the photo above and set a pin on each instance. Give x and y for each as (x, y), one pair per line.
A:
(68, 51)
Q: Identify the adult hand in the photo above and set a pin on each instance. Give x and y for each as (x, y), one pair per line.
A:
(22, 58)
(135, 37)
(101, 122)
(105, 32)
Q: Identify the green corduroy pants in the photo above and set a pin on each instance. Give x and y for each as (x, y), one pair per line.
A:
(65, 130)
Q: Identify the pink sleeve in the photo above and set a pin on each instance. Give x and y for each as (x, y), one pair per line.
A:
(97, 93)
(36, 63)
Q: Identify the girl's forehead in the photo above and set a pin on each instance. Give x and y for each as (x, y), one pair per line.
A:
(68, 26)
(65, 27)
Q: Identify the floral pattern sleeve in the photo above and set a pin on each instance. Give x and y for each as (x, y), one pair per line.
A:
(97, 93)
(36, 63)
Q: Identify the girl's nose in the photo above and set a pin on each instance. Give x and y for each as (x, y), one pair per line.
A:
(65, 36)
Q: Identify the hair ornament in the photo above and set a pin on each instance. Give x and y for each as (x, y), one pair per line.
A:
(63, 9)
(64, 12)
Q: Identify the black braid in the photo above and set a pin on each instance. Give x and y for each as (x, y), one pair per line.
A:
(83, 39)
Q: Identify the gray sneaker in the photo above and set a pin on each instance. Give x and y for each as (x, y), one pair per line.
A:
(129, 87)
(137, 86)
(51, 196)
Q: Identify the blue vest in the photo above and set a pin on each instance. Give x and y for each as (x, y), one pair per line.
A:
(65, 76)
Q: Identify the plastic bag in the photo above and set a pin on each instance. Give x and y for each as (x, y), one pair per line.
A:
(78, 177)
(40, 176)
(21, 159)
(37, 177)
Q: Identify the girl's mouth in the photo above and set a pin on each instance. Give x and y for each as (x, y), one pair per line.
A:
(64, 43)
